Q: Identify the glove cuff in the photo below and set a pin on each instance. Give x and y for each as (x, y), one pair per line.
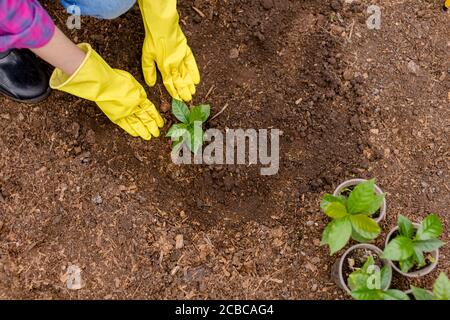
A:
(60, 79)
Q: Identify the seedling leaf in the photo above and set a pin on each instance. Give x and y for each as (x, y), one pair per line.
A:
(365, 226)
(199, 113)
(399, 248)
(177, 130)
(394, 294)
(421, 294)
(367, 294)
(405, 226)
(427, 245)
(337, 233)
(335, 210)
(180, 110)
(364, 199)
(441, 288)
(386, 274)
(431, 227)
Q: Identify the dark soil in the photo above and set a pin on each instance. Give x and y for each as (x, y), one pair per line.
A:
(351, 102)
(356, 259)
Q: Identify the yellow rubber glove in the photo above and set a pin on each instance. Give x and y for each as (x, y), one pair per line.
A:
(166, 45)
(116, 92)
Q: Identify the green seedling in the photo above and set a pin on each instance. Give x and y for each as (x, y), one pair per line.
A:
(410, 244)
(190, 130)
(441, 290)
(351, 216)
(367, 283)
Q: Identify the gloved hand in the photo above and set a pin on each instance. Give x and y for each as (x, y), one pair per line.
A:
(166, 45)
(116, 92)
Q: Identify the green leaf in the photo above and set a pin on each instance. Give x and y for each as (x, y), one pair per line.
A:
(365, 226)
(180, 110)
(421, 294)
(367, 294)
(359, 238)
(337, 233)
(430, 228)
(441, 288)
(329, 198)
(393, 294)
(407, 264)
(177, 130)
(398, 249)
(335, 210)
(364, 199)
(195, 138)
(386, 275)
(427, 245)
(418, 257)
(405, 226)
(370, 261)
(357, 280)
(199, 113)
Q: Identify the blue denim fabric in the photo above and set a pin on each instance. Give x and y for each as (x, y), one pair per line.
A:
(102, 9)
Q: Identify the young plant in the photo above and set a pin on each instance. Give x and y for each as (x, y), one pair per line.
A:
(190, 130)
(367, 282)
(351, 216)
(409, 246)
(441, 290)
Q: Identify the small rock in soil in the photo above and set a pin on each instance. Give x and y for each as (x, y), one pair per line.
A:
(234, 53)
(179, 241)
(90, 137)
(267, 4)
(85, 157)
(165, 106)
(336, 5)
(97, 199)
(348, 75)
(74, 130)
(413, 67)
(72, 278)
(351, 262)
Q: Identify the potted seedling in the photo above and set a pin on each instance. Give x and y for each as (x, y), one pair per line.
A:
(350, 211)
(361, 269)
(347, 186)
(441, 290)
(190, 130)
(371, 282)
(412, 248)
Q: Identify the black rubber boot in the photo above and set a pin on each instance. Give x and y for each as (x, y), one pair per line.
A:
(23, 77)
